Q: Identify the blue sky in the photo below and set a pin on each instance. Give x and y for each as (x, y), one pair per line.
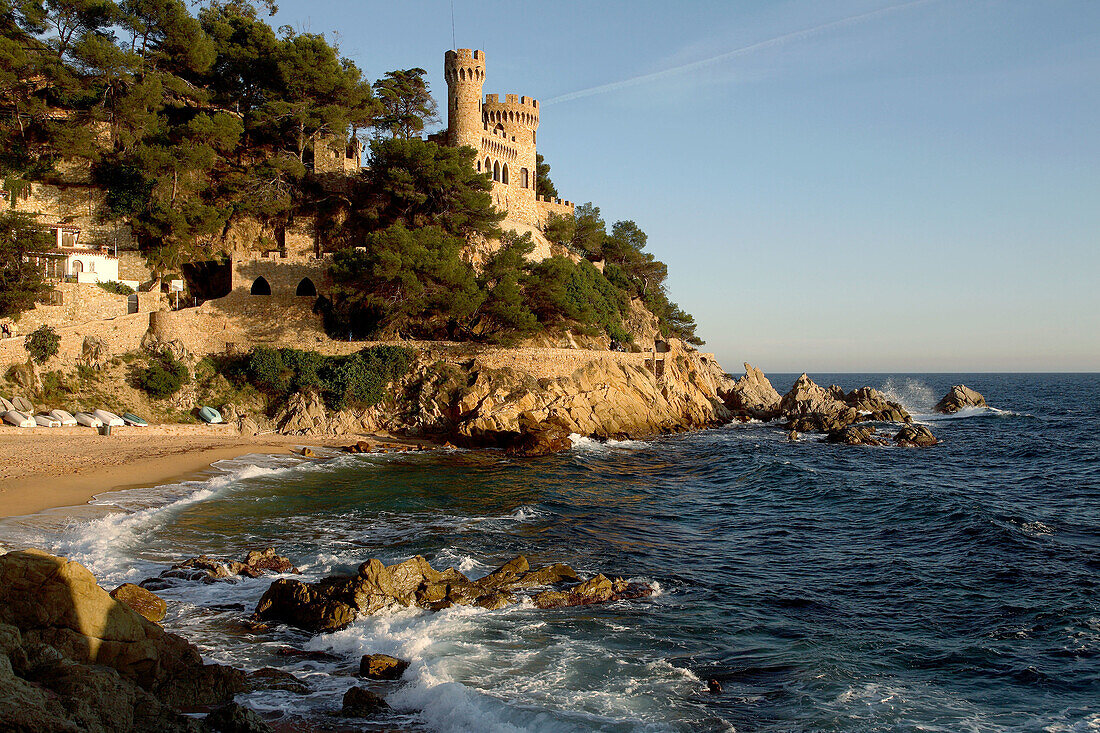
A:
(859, 185)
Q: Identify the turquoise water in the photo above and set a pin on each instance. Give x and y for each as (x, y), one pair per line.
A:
(826, 587)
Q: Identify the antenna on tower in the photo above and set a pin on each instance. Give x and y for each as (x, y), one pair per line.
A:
(454, 43)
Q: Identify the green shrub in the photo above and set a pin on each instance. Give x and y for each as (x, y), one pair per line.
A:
(164, 377)
(43, 343)
(358, 379)
(113, 286)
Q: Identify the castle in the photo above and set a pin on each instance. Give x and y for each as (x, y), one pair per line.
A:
(504, 136)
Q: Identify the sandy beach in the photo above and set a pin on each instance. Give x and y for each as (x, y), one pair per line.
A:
(42, 469)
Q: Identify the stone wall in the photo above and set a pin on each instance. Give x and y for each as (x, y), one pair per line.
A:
(284, 275)
(83, 303)
(122, 334)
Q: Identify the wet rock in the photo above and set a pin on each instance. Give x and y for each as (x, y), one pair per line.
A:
(714, 686)
(808, 398)
(547, 575)
(315, 607)
(915, 436)
(539, 438)
(382, 667)
(594, 590)
(255, 564)
(334, 602)
(234, 718)
(148, 604)
(361, 703)
(959, 397)
(269, 678)
(855, 435)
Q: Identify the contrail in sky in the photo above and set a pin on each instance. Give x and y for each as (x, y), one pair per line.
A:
(743, 51)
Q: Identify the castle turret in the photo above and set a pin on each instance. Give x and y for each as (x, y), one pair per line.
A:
(464, 70)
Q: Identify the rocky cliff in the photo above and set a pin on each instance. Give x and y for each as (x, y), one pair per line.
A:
(480, 402)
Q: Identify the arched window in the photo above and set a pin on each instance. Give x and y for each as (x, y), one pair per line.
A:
(462, 74)
(78, 267)
(496, 171)
(499, 128)
(306, 287)
(260, 286)
(488, 166)
(523, 183)
(479, 166)
(504, 174)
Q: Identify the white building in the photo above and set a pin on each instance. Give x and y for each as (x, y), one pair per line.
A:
(74, 261)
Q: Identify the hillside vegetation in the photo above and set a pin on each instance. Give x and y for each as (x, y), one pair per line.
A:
(189, 120)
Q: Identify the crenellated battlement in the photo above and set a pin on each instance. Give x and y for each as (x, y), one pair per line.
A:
(505, 140)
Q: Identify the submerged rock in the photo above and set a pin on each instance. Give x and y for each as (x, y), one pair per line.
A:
(362, 703)
(382, 667)
(234, 718)
(208, 569)
(856, 435)
(915, 436)
(959, 397)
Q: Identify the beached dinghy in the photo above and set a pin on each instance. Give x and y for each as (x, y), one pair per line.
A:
(109, 418)
(45, 421)
(210, 415)
(131, 419)
(88, 420)
(23, 404)
(5, 405)
(19, 419)
(66, 418)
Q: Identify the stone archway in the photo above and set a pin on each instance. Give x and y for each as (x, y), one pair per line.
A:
(306, 288)
(260, 286)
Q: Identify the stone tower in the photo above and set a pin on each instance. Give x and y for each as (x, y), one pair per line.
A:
(465, 73)
(503, 134)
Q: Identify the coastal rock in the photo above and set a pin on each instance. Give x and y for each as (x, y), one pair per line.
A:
(959, 397)
(361, 703)
(66, 623)
(382, 667)
(148, 604)
(915, 436)
(594, 590)
(269, 678)
(255, 564)
(303, 414)
(855, 435)
(314, 607)
(235, 718)
(752, 395)
(539, 438)
(870, 400)
(334, 602)
(807, 398)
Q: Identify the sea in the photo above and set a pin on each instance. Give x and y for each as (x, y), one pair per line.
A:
(825, 587)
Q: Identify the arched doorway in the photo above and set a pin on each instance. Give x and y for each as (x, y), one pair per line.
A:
(306, 288)
(78, 267)
(132, 303)
(260, 286)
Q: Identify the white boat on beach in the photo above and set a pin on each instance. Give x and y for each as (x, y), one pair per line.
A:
(88, 420)
(19, 419)
(109, 418)
(23, 404)
(66, 418)
(5, 405)
(45, 421)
